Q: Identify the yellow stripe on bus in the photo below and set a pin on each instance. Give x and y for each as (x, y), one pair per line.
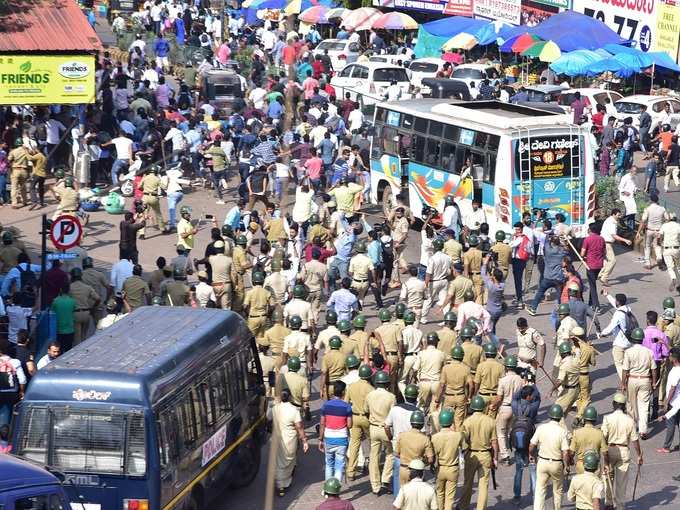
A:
(212, 464)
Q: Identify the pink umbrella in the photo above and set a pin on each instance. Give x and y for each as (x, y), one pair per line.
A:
(396, 21)
(315, 14)
(361, 19)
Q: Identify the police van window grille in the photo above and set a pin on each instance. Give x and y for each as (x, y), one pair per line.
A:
(186, 422)
(197, 415)
(251, 378)
(208, 403)
(34, 435)
(220, 394)
(135, 464)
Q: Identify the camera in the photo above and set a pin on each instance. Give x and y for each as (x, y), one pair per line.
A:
(428, 211)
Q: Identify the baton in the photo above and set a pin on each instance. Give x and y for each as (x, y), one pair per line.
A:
(637, 478)
(577, 254)
(493, 479)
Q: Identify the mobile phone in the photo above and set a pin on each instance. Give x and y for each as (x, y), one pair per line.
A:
(209, 217)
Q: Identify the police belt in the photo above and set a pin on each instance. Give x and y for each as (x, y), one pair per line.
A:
(584, 373)
(449, 465)
(639, 376)
(475, 272)
(487, 450)
(551, 460)
(391, 353)
(256, 316)
(618, 444)
(296, 405)
(454, 394)
(359, 414)
(440, 280)
(359, 281)
(150, 194)
(487, 393)
(571, 386)
(276, 353)
(411, 354)
(671, 247)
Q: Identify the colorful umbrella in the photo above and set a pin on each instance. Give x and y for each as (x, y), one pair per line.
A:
(337, 12)
(545, 51)
(463, 41)
(523, 42)
(396, 21)
(316, 14)
(361, 18)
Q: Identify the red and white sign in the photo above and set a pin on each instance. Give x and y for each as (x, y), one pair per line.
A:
(214, 445)
(66, 231)
(459, 8)
(509, 11)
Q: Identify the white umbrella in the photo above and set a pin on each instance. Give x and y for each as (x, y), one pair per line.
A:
(361, 19)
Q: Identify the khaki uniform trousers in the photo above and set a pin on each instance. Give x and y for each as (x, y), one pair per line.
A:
(18, 181)
(651, 241)
(476, 463)
(503, 424)
(257, 326)
(447, 482)
(548, 471)
(619, 462)
(155, 206)
(361, 288)
(583, 394)
(478, 286)
(223, 295)
(314, 299)
(436, 293)
(617, 354)
(239, 294)
(81, 323)
(393, 360)
(358, 432)
(459, 405)
(672, 259)
(609, 263)
(409, 361)
(567, 399)
(427, 392)
(671, 171)
(399, 263)
(380, 443)
(639, 395)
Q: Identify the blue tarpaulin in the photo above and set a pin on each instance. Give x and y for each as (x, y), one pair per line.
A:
(623, 65)
(575, 31)
(576, 63)
(433, 35)
(657, 58)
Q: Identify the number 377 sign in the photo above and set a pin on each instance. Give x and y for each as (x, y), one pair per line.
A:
(631, 19)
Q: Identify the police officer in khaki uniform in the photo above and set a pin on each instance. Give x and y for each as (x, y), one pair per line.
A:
(399, 312)
(222, 267)
(18, 161)
(619, 431)
(550, 444)
(669, 327)
(639, 377)
(458, 288)
(400, 229)
(479, 432)
(503, 253)
(241, 265)
(472, 261)
(9, 253)
(298, 306)
(298, 343)
(136, 291)
(150, 185)
(274, 336)
(69, 200)
(389, 335)
(586, 488)
(488, 373)
(456, 386)
(177, 292)
(669, 238)
(99, 282)
(316, 229)
(356, 395)
(531, 353)
(563, 334)
(567, 378)
(410, 343)
(428, 369)
(437, 275)
(365, 343)
(349, 344)
(508, 385)
(447, 444)
(586, 359)
(452, 247)
(315, 275)
(296, 384)
(379, 402)
(86, 299)
(448, 335)
(585, 439)
(325, 334)
(361, 270)
(413, 292)
(332, 367)
(268, 365)
(413, 444)
(473, 351)
(257, 304)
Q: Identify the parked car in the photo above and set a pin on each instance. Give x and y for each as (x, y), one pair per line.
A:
(424, 68)
(469, 73)
(445, 88)
(368, 81)
(397, 60)
(592, 97)
(544, 93)
(340, 51)
(631, 106)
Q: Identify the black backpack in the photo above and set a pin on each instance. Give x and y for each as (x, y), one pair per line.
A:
(521, 432)
(27, 279)
(631, 323)
(184, 101)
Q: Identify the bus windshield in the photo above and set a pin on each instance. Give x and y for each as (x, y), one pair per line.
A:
(85, 440)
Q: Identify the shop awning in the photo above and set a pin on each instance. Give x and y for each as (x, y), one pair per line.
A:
(45, 26)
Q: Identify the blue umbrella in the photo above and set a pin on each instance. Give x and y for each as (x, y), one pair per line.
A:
(623, 65)
(662, 59)
(630, 56)
(575, 63)
(492, 32)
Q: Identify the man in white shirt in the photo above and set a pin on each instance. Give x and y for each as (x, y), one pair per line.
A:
(53, 352)
(627, 189)
(204, 292)
(609, 234)
(123, 147)
(672, 399)
(451, 216)
(121, 271)
(177, 138)
(416, 493)
(473, 219)
(355, 120)
(617, 327)
(53, 129)
(257, 96)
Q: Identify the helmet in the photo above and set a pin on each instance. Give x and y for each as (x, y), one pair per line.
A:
(185, 209)
(417, 419)
(450, 317)
(563, 309)
(299, 291)
(360, 247)
(573, 288)
(178, 273)
(448, 200)
(241, 240)
(591, 461)
(59, 173)
(87, 262)
(335, 343)
(18, 142)
(619, 398)
(314, 219)
(344, 326)
(7, 237)
(668, 302)
(351, 361)
(458, 352)
(295, 322)
(477, 403)
(384, 315)
(565, 348)
(432, 337)
(511, 361)
(359, 322)
(473, 240)
(365, 372)
(409, 317)
(668, 314)
(293, 364)
(578, 331)
(277, 315)
(331, 317)
(500, 236)
(555, 412)
(331, 486)
(381, 379)
(411, 392)
(227, 230)
(446, 418)
(76, 273)
(469, 295)
(467, 332)
(490, 350)
(400, 310)
(637, 336)
(438, 245)
(68, 181)
(590, 414)
(279, 254)
(258, 277)
(156, 301)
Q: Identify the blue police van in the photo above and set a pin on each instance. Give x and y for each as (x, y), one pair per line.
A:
(26, 486)
(164, 409)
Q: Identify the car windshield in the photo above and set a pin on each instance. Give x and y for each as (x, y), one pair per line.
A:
(424, 67)
(467, 73)
(537, 97)
(331, 46)
(627, 107)
(389, 74)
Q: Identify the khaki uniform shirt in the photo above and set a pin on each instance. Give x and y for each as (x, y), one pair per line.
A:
(155, 279)
(39, 164)
(333, 364)
(275, 230)
(134, 290)
(564, 330)
(297, 344)
(568, 374)
(551, 439)
(654, 215)
(362, 339)
(324, 336)
(278, 285)
(585, 439)
(458, 287)
(455, 376)
(429, 364)
(240, 260)
(320, 231)
(413, 293)
(447, 340)
(489, 372)
(638, 360)
(221, 266)
(177, 293)
(586, 357)
(297, 384)
(68, 199)
(528, 344)
(416, 495)
(508, 385)
(413, 444)
(356, 395)
(439, 266)
(473, 261)
(504, 254)
(314, 273)
(400, 229)
(584, 488)
(472, 354)
(673, 333)
(379, 402)
(258, 300)
(389, 334)
(619, 428)
(453, 249)
(359, 267)
(18, 158)
(84, 295)
(446, 444)
(9, 258)
(273, 337)
(98, 281)
(671, 234)
(479, 430)
(150, 184)
(301, 308)
(350, 345)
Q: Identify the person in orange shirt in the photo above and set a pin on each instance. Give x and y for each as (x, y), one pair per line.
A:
(665, 136)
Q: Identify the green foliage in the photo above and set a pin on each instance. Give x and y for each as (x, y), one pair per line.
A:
(607, 191)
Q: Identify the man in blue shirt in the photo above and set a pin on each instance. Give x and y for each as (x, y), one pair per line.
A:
(233, 218)
(326, 152)
(162, 49)
(275, 110)
(343, 301)
(338, 268)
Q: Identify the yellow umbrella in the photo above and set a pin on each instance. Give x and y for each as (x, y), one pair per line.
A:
(462, 41)
(293, 7)
(545, 51)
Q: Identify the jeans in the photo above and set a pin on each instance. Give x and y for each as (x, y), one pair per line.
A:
(335, 461)
(629, 220)
(280, 185)
(518, 267)
(118, 165)
(522, 461)
(216, 177)
(38, 190)
(174, 198)
(337, 270)
(593, 300)
(421, 272)
(395, 475)
(671, 425)
(544, 285)
(6, 406)
(4, 197)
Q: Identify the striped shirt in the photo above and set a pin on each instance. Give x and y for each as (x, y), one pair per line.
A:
(336, 412)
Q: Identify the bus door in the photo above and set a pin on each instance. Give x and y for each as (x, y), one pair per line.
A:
(473, 164)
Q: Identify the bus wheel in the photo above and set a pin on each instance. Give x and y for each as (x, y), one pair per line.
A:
(388, 200)
(248, 464)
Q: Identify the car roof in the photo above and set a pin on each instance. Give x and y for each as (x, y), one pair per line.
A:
(644, 98)
(588, 90)
(429, 60)
(479, 67)
(16, 473)
(377, 65)
(545, 88)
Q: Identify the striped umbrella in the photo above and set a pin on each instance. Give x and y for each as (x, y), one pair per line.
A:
(396, 21)
(462, 41)
(361, 18)
(317, 14)
(337, 12)
(523, 42)
(545, 51)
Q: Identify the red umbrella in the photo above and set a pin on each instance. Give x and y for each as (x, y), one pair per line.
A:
(523, 42)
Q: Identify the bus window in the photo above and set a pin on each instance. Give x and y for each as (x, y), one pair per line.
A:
(219, 395)
(41, 502)
(34, 436)
(451, 133)
(418, 149)
(252, 377)
(432, 152)
(207, 403)
(376, 151)
(186, 422)
(481, 140)
(449, 157)
(135, 461)
(436, 128)
(390, 140)
(493, 142)
(420, 126)
(167, 437)
(380, 115)
(197, 410)
(490, 169)
(461, 156)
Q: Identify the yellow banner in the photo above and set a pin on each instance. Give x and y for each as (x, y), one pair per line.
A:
(667, 29)
(60, 79)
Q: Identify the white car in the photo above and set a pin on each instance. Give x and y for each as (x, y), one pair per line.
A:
(593, 97)
(475, 73)
(340, 51)
(397, 60)
(631, 106)
(368, 81)
(424, 68)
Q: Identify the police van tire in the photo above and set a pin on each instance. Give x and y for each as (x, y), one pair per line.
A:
(248, 462)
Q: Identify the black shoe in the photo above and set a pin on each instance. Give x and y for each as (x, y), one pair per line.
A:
(142, 237)
(387, 488)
